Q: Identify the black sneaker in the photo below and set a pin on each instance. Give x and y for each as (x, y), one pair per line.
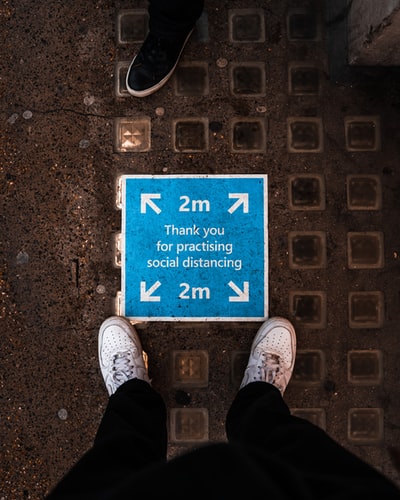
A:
(153, 65)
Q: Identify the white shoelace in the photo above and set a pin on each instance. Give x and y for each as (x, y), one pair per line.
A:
(122, 367)
(270, 366)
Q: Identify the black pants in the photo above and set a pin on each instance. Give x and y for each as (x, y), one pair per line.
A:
(173, 19)
(269, 452)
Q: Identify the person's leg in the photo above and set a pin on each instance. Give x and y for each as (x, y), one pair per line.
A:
(132, 435)
(170, 26)
(136, 416)
(133, 430)
(174, 19)
(269, 369)
(260, 420)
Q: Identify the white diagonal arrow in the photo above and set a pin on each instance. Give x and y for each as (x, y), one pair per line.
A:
(146, 295)
(147, 199)
(241, 199)
(242, 295)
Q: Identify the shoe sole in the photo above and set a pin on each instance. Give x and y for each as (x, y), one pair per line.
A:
(161, 83)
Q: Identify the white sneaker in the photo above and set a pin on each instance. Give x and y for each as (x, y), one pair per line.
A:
(272, 354)
(121, 356)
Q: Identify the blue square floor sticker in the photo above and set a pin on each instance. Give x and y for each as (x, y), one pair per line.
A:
(194, 247)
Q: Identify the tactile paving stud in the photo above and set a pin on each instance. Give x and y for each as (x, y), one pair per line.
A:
(308, 308)
(304, 79)
(302, 24)
(121, 70)
(365, 250)
(364, 192)
(306, 192)
(188, 425)
(247, 79)
(309, 367)
(132, 26)
(366, 309)
(189, 368)
(190, 135)
(365, 425)
(238, 365)
(305, 135)
(248, 135)
(191, 79)
(364, 367)
(246, 25)
(316, 416)
(362, 133)
(307, 249)
(131, 134)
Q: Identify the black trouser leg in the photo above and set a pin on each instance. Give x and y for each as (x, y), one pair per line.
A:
(172, 19)
(131, 435)
(260, 419)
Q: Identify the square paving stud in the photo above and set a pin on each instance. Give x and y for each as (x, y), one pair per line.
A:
(303, 79)
(246, 25)
(191, 79)
(302, 24)
(306, 192)
(309, 367)
(121, 70)
(238, 365)
(190, 135)
(188, 425)
(190, 368)
(364, 367)
(248, 136)
(314, 415)
(132, 135)
(366, 309)
(362, 133)
(248, 79)
(365, 250)
(305, 135)
(132, 26)
(364, 192)
(307, 249)
(309, 308)
(365, 425)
